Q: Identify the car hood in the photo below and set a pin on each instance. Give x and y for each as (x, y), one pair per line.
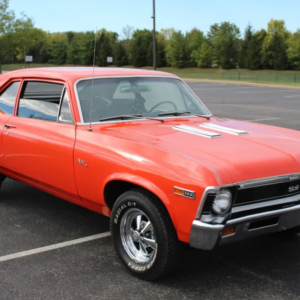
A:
(257, 151)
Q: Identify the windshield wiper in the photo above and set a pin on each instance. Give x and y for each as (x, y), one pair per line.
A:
(121, 117)
(175, 113)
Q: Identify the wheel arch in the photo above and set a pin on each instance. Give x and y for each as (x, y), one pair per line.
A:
(120, 183)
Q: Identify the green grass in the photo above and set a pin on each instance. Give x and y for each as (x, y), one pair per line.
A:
(290, 78)
(13, 67)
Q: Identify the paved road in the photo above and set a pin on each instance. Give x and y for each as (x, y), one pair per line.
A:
(280, 107)
(261, 268)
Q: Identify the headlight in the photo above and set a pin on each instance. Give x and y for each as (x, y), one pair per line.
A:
(222, 202)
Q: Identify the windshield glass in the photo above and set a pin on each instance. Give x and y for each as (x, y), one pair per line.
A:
(141, 95)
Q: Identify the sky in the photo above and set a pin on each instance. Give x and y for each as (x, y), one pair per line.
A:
(84, 15)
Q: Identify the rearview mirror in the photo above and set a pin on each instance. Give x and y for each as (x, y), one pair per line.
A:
(132, 89)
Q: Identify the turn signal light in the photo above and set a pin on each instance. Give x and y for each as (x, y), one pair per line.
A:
(229, 231)
(178, 191)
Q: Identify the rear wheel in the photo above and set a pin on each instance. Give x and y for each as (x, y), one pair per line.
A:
(144, 236)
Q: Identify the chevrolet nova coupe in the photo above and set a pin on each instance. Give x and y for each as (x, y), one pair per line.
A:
(139, 147)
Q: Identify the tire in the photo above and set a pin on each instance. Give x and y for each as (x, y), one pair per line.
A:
(148, 252)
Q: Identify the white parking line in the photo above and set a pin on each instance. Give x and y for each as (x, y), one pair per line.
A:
(265, 119)
(292, 96)
(247, 92)
(55, 246)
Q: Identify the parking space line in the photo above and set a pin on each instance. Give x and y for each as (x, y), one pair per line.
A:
(260, 91)
(265, 119)
(54, 247)
(292, 96)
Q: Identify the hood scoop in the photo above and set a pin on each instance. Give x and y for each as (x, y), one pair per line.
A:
(224, 129)
(204, 133)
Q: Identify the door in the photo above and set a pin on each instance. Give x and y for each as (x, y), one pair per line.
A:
(38, 142)
(7, 103)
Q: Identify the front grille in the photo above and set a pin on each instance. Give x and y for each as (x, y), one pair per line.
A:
(265, 193)
(262, 210)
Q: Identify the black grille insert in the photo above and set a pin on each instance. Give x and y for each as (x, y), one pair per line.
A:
(267, 192)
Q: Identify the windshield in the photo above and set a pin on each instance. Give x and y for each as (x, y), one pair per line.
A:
(145, 96)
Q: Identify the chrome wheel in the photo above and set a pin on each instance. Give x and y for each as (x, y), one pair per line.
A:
(138, 236)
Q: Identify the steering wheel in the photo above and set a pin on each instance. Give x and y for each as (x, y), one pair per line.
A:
(163, 102)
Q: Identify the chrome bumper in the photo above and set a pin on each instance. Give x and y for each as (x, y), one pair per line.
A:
(207, 236)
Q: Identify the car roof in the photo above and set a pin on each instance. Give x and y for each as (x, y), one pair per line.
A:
(75, 73)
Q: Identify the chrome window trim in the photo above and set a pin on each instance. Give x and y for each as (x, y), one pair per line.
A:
(128, 76)
(60, 103)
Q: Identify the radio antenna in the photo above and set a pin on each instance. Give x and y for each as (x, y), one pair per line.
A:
(92, 91)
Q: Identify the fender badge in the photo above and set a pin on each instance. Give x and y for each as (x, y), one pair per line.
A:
(81, 162)
(184, 193)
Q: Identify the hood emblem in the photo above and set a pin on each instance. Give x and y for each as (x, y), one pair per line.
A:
(204, 133)
(224, 129)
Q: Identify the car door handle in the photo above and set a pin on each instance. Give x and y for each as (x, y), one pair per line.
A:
(9, 126)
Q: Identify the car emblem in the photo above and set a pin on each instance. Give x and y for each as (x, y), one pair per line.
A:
(82, 162)
(294, 188)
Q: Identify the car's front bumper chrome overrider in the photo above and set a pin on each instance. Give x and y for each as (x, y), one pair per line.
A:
(207, 236)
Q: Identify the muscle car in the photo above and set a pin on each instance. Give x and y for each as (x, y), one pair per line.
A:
(139, 147)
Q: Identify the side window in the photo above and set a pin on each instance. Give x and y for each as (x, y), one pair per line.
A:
(65, 114)
(40, 100)
(8, 98)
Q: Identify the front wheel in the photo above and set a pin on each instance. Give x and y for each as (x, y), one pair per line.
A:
(144, 236)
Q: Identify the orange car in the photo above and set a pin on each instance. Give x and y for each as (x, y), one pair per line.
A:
(140, 147)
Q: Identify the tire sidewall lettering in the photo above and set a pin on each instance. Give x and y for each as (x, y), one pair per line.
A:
(121, 209)
(143, 268)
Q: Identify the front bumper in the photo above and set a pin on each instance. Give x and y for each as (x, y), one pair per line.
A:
(207, 236)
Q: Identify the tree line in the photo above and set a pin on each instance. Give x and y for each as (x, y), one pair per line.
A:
(223, 46)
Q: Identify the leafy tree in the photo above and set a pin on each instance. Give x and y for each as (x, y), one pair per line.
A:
(26, 35)
(203, 55)
(39, 49)
(194, 39)
(75, 47)
(58, 49)
(177, 53)
(225, 41)
(140, 48)
(274, 51)
(294, 50)
(7, 19)
(105, 46)
(250, 56)
(161, 44)
(120, 56)
(167, 33)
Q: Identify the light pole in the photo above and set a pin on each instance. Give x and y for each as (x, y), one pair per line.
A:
(154, 37)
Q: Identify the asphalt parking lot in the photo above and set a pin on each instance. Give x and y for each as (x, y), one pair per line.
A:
(261, 268)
